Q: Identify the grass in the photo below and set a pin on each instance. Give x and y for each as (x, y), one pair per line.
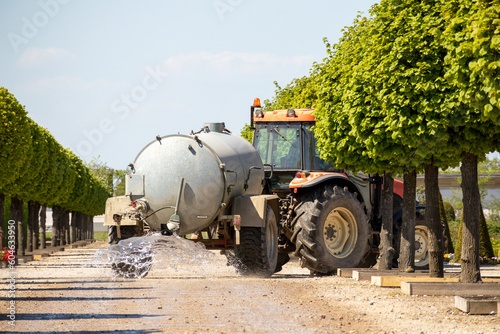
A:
(103, 235)
(493, 230)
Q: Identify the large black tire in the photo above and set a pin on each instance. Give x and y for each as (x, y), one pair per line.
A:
(257, 253)
(127, 231)
(112, 235)
(331, 230)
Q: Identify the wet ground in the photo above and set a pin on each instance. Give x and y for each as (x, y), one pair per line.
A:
(191, 290)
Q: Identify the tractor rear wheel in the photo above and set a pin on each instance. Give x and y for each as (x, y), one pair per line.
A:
(331, 230)
(257, 253)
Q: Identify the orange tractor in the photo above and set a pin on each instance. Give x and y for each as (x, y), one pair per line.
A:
(330, 218)
(256, 203)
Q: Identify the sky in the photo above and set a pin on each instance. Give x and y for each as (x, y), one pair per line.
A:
(106, 77)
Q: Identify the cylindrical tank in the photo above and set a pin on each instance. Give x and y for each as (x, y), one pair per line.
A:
(215, 167)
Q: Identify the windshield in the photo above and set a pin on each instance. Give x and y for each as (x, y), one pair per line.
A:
(289, 146)
(279, 144)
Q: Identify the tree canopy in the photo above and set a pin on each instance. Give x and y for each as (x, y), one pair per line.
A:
(413, 84)
(37, 168)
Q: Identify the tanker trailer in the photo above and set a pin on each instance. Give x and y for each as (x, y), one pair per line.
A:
(207, 187)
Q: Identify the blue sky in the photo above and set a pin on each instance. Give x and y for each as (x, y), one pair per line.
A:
(106, 77)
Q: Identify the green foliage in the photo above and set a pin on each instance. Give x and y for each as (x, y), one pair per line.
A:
(494, 229)
(471, 68)
(494, 207)
(395, 92)
(382, 99)
(102, 172)
(456, 198)
(15, 131)
(472, 38)
(444, 219)
(485, 243)
(119, 182)
(299, 94)
(458, 244)
(485, 247)
(421, 194)
(489, 166)
(449, 211)
(39, 168)
(247, 133)
(101, 235)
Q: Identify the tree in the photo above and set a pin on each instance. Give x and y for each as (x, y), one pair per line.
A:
(38, 170)
(247, 133)
(299, 94)
(472, 63)
(102, 172)
(15, 140)
(382, 99)
(119, 182)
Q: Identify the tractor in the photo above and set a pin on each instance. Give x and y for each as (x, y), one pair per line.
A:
(258, 203)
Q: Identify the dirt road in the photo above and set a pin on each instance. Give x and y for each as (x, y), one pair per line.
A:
(75, 291)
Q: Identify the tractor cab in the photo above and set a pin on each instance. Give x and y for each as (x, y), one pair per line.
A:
(286, 144)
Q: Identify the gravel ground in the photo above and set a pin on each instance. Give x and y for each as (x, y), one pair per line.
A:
(190, 290)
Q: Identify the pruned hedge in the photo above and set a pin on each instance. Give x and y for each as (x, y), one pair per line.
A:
(35, 167)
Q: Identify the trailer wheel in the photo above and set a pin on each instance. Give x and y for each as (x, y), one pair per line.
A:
(125, 231)
(421, 246)
(257, 253)
(112, 235)
(332, 231)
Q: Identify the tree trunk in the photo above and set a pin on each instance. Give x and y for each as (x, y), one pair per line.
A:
(72, 227)
(61, 227)
(2, 208)
(91, 227)
(17, 214)
(77, 226)
(407, 246)
(30, 227)
(62, 230)
(449, 243)
(433, 222)
(36, 227)
(386, 248)
(55, 226)
(470, 231)
(85, 227)
(66, 227)
(43, 220)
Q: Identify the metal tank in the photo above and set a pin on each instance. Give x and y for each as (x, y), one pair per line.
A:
(193, 178)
